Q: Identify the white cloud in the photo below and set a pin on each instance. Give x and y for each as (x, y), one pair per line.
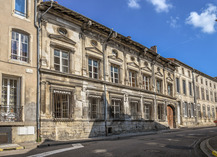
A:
(161, 5)
(133, 4)
(173, 22)
(205, 20)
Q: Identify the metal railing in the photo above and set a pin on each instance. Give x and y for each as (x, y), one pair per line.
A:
(10, 114)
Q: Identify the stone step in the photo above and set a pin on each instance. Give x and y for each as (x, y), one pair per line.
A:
(6, 147)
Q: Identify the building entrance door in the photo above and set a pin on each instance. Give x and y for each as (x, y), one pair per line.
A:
(170, 116)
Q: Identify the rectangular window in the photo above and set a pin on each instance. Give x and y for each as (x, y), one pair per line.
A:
(204, 111)
(211, 96)
(147, 112)
(95, 110)
(208, 112)
(207, 95)
(199, 110)
(10, 107)
(202, 94)
(21, 7)
(146, 82)
(132, 78)
(213, 112)
(135, 110)
(170, 89)
(116, 109)
(183, 71)
(93, 67)
(189, 74)
(61, 104)
(197, 93)
(114, 74)
(191, 110)
(160, 111)
(61, 61)
(201, 81)
(185, 109)
(159, 86)
(177, 85)
(190, 88)
(184, 86)
(20, 46)
(215, 97)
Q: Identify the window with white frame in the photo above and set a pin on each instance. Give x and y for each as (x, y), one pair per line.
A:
(159, 86)
(114, 74)
(147, 111)
(10, 107)
(20, 46)
(21, 7)
(116, 108)
(61, 101)
(95, 110)
(132, 78)
(61, 61)
(93, 68)
(146, 82)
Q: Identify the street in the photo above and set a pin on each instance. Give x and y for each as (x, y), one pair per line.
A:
(176, 143)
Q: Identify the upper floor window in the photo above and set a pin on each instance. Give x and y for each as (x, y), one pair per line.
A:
(93, 66)
(189, 74)
(114, 74)
(132, 78)
(21, 7)
(201, 81)
(197, 93)
(20, 46)
(210, 84)
(184, 86)
(183, 71)
(146, 82)
(159, 86)
(177, 85)
(170, 89)
(206, 83)
(215, 95)
(202, 94)
(207, 95)
(61, 61)
(190, 89)
(211, 96)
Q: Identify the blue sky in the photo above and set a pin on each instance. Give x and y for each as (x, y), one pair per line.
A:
(181, 29)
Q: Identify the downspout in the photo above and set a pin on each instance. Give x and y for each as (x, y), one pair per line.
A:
(37, 21)
(104, 77)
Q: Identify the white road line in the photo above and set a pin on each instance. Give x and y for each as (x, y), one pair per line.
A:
(75, 146)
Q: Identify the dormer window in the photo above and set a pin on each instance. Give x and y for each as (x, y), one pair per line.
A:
(21, 7)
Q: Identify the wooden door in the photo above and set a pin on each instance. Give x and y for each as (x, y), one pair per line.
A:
(170, 116)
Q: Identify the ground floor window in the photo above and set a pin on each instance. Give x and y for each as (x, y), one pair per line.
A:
(95, 111)
(147, 111)
(213, 112)
(116, 108)
(10, 108)
(61, 104)
(160, 111)
(135, 110)
(185, 109)
(199, 110)
(204, 111)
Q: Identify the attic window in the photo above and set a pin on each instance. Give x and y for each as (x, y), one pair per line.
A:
(115, 53)
(94, 43)
(62, 31)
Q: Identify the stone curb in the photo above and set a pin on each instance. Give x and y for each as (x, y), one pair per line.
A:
(11, 148)
(207, 148)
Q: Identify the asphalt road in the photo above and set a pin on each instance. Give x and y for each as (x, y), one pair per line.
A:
(183, 143)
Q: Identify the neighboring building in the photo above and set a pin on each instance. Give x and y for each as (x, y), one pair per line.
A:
(139, 82)
(17, 71)
(196, 96)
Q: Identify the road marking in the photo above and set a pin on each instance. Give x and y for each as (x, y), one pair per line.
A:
(75, 146)
(214, 153)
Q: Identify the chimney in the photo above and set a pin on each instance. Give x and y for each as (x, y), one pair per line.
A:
(154, 48)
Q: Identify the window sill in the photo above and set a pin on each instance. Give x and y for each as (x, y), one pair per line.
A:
(20, 62)
(21, 17)
(11, 123)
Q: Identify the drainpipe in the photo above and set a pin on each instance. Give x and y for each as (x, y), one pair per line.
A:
(195, 98)
(37, 21)
(104, 76)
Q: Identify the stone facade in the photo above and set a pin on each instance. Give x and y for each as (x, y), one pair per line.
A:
(17, 72)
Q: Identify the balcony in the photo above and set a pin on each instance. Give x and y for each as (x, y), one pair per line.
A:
(10, 114)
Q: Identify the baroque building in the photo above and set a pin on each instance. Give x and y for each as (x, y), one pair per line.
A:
(17, 72)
